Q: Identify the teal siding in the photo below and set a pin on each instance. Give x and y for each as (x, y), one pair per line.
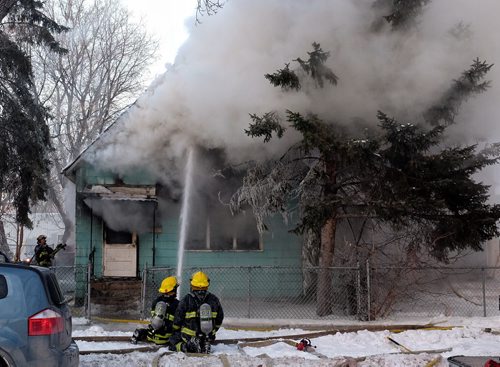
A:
(280, 248)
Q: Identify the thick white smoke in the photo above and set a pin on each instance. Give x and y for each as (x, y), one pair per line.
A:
(218, 76)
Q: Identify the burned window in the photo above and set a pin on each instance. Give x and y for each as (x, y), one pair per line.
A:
(211, 225)
(198, 226)
(117, 237)
(223, 232)
(247, 236)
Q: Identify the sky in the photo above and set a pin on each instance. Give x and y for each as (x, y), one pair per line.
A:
(466, 337)
(167, 20)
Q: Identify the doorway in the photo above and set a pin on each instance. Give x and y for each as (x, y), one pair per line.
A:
(120, 254)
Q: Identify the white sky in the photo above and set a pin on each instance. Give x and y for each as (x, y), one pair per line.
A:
(166, 20)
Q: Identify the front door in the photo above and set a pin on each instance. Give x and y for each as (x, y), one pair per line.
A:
(120, 254)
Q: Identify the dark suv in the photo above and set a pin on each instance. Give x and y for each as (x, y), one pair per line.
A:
(35, 321)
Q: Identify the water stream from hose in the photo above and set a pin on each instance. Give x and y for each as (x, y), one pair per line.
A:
(184, 218)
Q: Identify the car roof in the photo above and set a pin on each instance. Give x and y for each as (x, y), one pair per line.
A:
(25, 266)
(47, 277)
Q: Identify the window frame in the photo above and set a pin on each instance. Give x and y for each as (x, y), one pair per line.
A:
(234, 248)
(4, 286)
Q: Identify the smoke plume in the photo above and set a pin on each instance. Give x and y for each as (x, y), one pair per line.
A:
(217, 79)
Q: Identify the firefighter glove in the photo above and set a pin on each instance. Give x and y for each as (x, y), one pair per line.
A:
(193, 345)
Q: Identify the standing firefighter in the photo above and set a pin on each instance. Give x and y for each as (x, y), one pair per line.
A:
(44, 253)
(163, 309)
(197, 319)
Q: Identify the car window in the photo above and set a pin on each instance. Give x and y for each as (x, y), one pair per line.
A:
(3, 287)
(34, 291)
(13, 303)
(3, 258)
(54, 290)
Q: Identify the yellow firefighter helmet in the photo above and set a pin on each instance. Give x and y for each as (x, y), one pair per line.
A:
(199, 280)
(168, 285)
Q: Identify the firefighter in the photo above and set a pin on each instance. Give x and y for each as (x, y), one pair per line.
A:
(44, 253)
(197, 318)
(163, 309)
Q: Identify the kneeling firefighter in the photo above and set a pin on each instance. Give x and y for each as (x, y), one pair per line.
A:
(197, 318)
(163, 310)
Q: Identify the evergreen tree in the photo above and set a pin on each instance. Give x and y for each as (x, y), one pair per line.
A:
(24, 135)
(398, 175)
(403, 13)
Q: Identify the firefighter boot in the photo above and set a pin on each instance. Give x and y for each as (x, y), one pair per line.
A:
(207, 348)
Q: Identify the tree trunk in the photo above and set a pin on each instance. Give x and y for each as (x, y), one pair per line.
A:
(327, 247)
(19, 241)
(4, 246)
(324, 297)
(310, 261)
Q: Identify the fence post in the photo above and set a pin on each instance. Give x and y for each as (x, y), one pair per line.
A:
(358, 289)
(143, 292)
(484, 291)
(368, 289)
(89, 290)
(248, 291)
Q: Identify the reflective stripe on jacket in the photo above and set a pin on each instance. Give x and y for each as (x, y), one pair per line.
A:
(187, 321)
(43, 255)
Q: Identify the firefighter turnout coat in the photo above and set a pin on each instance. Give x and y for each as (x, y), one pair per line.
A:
(163, 334)
(44, 255)
(187, 318)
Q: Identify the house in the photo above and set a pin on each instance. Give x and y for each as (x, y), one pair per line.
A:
(127, 221)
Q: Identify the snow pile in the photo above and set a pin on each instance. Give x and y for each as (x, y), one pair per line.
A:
(97, 330)
(362, 348)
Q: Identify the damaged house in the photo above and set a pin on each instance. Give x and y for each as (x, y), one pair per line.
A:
(131, 220)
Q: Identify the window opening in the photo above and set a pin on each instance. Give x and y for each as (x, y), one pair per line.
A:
(118, 237)
(3, 287)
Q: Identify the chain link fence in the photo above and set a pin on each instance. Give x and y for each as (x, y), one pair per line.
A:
(434, 291)
(338, 293)
(351, 293)
(268, 292)
(74, 283)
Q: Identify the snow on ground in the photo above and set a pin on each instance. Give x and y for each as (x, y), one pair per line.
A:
(466, 336)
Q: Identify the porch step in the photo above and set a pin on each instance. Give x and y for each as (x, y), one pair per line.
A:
(116, 297)
(116, 291)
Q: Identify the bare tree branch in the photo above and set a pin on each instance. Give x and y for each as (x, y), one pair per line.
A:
(89, 87)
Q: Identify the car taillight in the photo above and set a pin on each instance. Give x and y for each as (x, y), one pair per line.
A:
(46, 322)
